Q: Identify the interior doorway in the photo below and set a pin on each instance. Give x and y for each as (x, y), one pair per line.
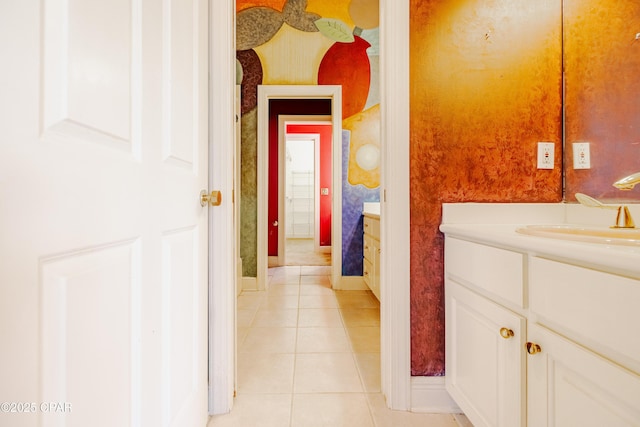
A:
(305, 146)
(301, 196)
(396, 378)
(300, 187)
(298, 92)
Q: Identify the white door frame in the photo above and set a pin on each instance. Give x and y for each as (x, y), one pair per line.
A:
(395, 311)
(395, 216)
(222, 259)
(265, 93)
(283, 137)
(283, 181)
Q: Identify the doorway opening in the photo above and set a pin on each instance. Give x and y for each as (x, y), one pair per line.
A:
(266, 221)
(300, 188)
(396, 378)
(305, 190)
(301, 197)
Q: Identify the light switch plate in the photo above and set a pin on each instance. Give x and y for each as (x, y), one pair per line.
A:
(581, 155)
(546, 155)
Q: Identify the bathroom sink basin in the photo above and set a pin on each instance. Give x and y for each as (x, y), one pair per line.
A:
(609, 236)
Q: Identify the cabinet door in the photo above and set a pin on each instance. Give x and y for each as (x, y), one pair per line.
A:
(571, 386)
(485, 370)
(376, 269)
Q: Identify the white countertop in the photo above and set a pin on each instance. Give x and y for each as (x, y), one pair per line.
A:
(496, 224)
(371, 209)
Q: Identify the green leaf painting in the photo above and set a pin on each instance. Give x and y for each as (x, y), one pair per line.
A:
(335, 29)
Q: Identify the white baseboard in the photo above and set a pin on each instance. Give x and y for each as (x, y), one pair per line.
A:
(351, 283)
(249, 284)
(429, 395)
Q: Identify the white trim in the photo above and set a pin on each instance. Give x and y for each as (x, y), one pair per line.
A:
(394, 219)
(352, 283)
(237, 177)
(266, 92)
(394, 73)
(428, 394)
(283, 137)
(282, 211)
(222, 257)
(249, 284)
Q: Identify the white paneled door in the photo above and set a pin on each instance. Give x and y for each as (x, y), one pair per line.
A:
(103, 241)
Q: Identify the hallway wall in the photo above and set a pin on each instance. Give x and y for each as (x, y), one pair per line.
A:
(328, 43)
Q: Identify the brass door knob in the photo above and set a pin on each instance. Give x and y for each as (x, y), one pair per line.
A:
(213, 199)
(506, 333)
(533, 348)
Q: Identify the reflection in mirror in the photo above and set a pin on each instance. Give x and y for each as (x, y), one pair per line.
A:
(602, 95)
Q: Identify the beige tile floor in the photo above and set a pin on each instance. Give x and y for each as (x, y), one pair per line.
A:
(310, 356)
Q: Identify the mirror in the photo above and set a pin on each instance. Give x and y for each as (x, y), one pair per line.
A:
(602, 96)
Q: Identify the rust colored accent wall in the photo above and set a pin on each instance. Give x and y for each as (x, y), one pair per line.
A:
(602, 69)
(485, 88)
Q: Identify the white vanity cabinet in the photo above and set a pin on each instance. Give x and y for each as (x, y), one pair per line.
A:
(569, 385)
(485, 364)
(533, 340)
(371, 249)
(586, 325)
(484, 359)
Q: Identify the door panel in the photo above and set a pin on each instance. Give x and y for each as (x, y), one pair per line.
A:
(89, 71)
(179, 62)
(485, 371)
(180, 298)
(87, 309)
(103, 285)
(570, 385)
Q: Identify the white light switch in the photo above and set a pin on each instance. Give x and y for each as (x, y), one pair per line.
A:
(546, 155)
(581, 155)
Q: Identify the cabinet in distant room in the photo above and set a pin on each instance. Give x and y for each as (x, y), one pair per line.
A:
(371, 249)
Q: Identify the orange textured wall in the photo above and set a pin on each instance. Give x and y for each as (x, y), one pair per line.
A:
(602, 65)
(485, 88)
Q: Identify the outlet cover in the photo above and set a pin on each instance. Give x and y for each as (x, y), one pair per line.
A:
(546, 155)
(581, 155)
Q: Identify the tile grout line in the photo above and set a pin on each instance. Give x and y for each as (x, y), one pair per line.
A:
(295, 352)
(343, 326)
(358, 369)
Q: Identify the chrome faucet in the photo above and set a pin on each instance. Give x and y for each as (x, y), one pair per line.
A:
(628, 182)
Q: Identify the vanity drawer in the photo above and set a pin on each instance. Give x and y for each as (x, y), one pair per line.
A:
(372, 227)
(367, 272)
(369, 248)
(491, 269)
(597, 309)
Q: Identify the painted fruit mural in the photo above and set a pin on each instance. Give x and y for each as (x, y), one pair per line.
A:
(347, 64)
(308, 42)
(251, 78)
